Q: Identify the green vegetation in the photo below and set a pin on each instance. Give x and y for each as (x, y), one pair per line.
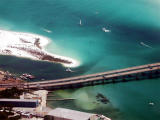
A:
(11, 93)
(7, 114)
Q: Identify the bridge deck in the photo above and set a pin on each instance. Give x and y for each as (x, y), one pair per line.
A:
(97, 76)
(132, 71)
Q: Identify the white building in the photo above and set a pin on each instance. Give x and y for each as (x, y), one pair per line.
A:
(67, 114)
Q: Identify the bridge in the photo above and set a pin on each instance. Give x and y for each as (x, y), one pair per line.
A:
(123, 75)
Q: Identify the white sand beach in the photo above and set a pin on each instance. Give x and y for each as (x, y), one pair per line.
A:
(30, 46)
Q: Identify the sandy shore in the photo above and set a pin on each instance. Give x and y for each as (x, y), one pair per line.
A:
(30, 46)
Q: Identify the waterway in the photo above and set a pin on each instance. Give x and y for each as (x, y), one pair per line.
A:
(132, 39)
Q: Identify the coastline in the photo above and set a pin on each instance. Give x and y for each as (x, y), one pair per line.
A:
(31, 46)
(8, 78)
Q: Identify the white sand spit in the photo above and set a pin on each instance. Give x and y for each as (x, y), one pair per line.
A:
(30, 46)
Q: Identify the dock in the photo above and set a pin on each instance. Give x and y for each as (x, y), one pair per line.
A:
(62, 99)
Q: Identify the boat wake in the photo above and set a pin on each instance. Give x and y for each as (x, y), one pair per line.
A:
(46, 30)
(145, 45)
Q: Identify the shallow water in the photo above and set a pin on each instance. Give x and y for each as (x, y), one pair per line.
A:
(130, 23)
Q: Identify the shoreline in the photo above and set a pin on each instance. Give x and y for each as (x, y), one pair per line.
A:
(9, 78)
(28, 45)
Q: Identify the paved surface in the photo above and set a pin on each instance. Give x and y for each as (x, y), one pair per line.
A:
(66, 82)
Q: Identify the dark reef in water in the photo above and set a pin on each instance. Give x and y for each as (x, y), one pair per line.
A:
(101, 98)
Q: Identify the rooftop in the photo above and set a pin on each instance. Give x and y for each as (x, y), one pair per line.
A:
(18, 100)
(70, 114)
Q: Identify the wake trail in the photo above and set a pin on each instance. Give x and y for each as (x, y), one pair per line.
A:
(145, 45)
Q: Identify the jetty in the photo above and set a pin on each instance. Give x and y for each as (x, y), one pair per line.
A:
(148, 71)
(62, 99)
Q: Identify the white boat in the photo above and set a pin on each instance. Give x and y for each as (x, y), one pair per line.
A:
(69, 70)
(80, 22)
(105, 30)
(151, 103)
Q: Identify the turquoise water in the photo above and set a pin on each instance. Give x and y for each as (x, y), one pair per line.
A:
(130, 22)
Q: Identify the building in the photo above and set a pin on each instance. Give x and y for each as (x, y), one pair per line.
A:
(19, 103)
(67, 114)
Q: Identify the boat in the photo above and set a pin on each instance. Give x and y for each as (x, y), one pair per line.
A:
(69, 70)
(99, 117)
(151, 103)
(80, 22)
(105, 30)
(27, 76)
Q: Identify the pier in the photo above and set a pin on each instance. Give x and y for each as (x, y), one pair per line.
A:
(148, 71)
(62, 99)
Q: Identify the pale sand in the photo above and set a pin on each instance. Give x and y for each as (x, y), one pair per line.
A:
(23, 45)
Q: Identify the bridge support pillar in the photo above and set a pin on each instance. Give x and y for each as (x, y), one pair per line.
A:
(157, 73)
(103, 81)
(80, 85)
(137, 78)
(150, 76)
(92, 83)
(113, 80)
(71, 86)
(143, 74)
(129, 76)
(123, 79)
